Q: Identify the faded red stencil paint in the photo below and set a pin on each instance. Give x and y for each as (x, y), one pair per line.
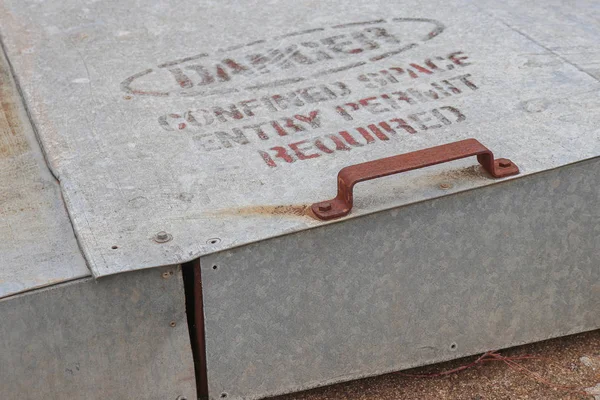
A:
(284, 59)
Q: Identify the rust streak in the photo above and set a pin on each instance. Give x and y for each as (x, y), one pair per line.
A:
(290, 210)
(12, 139)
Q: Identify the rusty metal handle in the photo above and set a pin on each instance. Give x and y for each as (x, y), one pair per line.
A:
(350, 176)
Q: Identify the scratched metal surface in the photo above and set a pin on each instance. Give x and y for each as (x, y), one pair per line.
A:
(38, 247)
(98, 339)
(127, 103)
(459, 275)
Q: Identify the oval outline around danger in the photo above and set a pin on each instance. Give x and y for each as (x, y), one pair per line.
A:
(226, 68)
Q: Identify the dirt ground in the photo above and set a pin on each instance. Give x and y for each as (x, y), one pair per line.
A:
(566, 368)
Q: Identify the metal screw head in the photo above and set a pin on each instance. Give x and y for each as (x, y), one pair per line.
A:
(162, 237)
(173, 324)
(325, 207)
(445, 186)
(505, 164)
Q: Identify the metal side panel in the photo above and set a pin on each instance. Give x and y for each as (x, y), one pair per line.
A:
(484, 269)
(122, 337)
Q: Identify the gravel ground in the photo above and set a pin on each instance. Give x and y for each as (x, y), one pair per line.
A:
(568, 368)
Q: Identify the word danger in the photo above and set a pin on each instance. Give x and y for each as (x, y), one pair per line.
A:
(284, 59)
(301, 54)
(361, 136)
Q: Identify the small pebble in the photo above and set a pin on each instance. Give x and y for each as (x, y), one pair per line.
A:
(585, 360)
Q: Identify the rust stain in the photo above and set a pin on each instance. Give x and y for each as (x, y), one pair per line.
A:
(474, 172)
(290, 210)
(9, 97)
(12, 139)
(17, 167)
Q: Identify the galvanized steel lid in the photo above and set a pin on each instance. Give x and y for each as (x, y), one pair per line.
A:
(179, 129)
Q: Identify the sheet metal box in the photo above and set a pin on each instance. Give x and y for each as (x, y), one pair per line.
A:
(184, 141)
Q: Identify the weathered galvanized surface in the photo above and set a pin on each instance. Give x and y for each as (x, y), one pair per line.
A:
(179, 117)
(37, 245)
(98, 340)
(485, 269)
(568, 29)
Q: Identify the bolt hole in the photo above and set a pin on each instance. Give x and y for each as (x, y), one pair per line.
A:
(213, 241)
(173, 324)
(114, 247)
(453, 346)
(223, 395)
(215, 267)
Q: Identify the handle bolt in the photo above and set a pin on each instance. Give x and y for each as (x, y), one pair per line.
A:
(162, 237)
(325, 207)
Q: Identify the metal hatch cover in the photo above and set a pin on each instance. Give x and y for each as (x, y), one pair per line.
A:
(217, 125)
